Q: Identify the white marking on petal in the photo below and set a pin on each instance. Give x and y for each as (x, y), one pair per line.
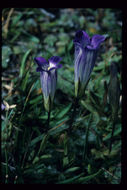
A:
(51, 65)
(89, 60)
(79, 55)
(77, 63)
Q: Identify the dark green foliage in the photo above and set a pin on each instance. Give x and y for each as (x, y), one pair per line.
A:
(33, 154)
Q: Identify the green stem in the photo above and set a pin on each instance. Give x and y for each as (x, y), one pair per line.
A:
(114, 118)
(73, 114)
(6, 157)
(27, 148)
(48, 120)
(86, 140)
(111, 140)
(6, 153)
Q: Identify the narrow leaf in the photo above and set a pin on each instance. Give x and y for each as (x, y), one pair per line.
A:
(83, 180)
(23, 62)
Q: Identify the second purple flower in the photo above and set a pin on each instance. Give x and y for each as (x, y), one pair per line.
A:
(86, 49)
(48, 77)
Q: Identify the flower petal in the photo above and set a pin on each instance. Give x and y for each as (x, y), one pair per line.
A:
(89, 64)
(96, 41)
(59, 66)
(44, 83)
(3, 106)
(84, 62)
(48, 84)
(53, 62)
(53, 75)
(78, 61)
(55, 67)
(55, 59)
(39, 69)
(82, 38)
(41, 62)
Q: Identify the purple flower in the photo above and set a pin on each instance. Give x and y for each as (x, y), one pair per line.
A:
(48, 76)
(86, 49)
(3, 106)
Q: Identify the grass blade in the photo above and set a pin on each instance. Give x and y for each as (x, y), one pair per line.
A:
(23, 63)
(83, 180)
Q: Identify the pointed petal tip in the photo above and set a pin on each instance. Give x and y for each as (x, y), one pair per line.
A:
(40, 60)
(81, 38)
(55, 59)
(96, 41)
(59, 66)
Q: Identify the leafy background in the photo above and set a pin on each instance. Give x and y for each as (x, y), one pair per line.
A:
(30, 153)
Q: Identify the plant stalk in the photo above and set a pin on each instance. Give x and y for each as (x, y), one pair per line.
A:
(48, 120)
(6, 158)
(111, 140)
(114, 117)
(86, 140)
(73, 114)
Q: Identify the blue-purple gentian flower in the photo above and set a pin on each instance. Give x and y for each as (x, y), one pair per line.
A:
(48, 77)
(86, 49)
(3, 106)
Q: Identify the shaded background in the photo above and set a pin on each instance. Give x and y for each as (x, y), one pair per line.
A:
(26, 150)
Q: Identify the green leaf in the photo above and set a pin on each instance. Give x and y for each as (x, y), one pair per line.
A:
(100, 66)
(36, 159)
(117, 132)
(46, 156)
(3, 125)
(83, 180)
(6, 52)
(88, 106)
(50, 40)
(31, 37)
(65, 161)
(16, 19)
(24, 82)
(94, 98)
(73, 169)
(70, 180)
(36, 100)
(60, 126)
(36, 140)
(63, 112)
(22, 68)
(69, 47)
(43, 143)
